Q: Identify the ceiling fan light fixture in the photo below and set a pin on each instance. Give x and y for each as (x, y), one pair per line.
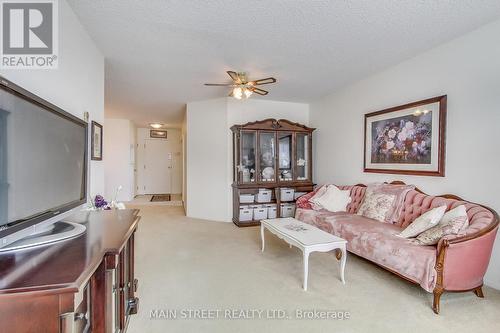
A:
(248, 92)
(238, 93)
(241, 88)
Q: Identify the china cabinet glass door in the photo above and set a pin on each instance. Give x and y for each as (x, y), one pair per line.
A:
(247, 168)
(285, 156)
(267, 157)
(303, 153)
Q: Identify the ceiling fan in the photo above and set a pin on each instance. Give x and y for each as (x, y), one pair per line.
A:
(242, 88)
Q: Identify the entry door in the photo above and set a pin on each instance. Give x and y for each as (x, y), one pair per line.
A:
(158, 167)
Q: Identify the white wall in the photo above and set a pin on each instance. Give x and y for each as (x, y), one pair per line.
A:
(77, 86)
(209, 149)
(174, 145)
(184, 160)
(468, 71)
(244, 111)
(118, 153)
(206, 159)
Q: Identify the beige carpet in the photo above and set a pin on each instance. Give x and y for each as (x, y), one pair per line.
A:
(187, 264)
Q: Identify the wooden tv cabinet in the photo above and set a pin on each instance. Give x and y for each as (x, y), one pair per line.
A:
(84, 284)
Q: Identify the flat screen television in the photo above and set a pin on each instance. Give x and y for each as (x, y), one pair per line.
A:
(43, 160)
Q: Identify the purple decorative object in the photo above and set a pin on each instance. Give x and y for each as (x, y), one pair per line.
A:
(100, 203)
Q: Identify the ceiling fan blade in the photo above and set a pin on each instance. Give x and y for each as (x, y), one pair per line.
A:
(234, 76)
(259, 91)
(267, 80)
(219, 84)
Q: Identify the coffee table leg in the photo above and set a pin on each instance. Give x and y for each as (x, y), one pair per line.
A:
(306, 268)
(262, 236)
(342, 263)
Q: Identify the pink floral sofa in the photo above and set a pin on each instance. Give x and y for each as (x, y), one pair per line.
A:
(457, 263)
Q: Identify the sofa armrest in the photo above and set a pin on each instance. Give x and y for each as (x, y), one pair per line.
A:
(303, 201)
(464, 260)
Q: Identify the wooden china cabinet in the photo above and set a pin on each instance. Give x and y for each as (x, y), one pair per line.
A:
(270, 154)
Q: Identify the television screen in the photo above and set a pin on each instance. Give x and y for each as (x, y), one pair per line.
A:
(42, 158)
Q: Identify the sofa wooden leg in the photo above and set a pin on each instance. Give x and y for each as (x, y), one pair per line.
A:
(479, 292)
(437, 298)
(338, 254)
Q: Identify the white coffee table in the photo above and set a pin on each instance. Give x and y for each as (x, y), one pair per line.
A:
(306, 237)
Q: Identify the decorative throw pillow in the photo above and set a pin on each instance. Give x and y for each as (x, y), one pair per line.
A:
(334, 199)
(376, 205)
(452, 223)
(398, 191)
(315, 198)
(423, 222)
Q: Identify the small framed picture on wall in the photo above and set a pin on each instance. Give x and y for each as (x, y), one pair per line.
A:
(96, 141)
(158, 134)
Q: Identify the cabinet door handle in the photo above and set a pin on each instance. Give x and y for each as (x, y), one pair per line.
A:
(133, 285)
(81, 316)
(133, 305)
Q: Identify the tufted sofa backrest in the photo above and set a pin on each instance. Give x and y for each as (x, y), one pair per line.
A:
(417, 203)
(357, 195)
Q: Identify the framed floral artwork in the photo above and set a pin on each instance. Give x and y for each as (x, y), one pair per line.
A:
(407, 139)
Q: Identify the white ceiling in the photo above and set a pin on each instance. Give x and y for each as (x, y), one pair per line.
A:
(160, 52)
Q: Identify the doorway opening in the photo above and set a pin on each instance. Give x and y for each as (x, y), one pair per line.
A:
(159, 166)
